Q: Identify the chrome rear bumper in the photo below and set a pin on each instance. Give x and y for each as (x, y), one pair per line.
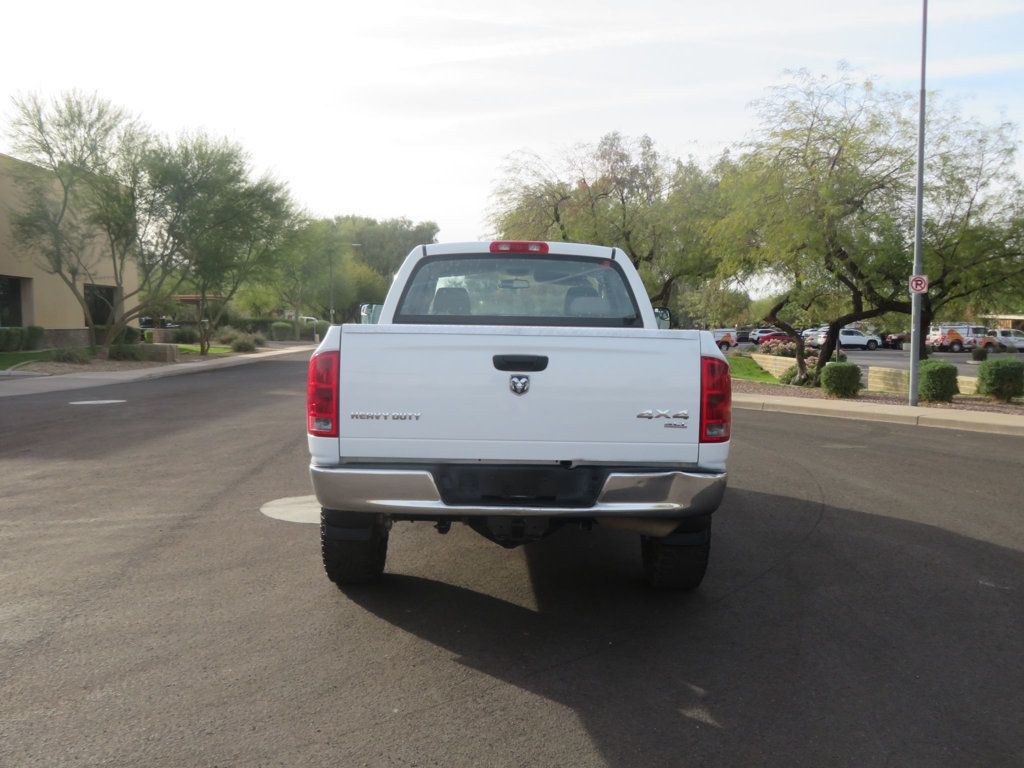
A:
(671, 494)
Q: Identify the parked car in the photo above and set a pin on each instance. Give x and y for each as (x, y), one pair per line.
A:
(755, 335)
(850, 338)
(772, 336)
(896, 340)
(957, 337)
(1008, 338)
(162, 322)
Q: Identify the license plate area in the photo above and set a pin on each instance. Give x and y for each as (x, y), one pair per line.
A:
(503, 486)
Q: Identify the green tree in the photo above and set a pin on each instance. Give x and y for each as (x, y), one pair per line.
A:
(821, 201)
(231, 229)
(66, 143)
(618, 192)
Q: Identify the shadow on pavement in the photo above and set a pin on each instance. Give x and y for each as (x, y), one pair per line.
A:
(822, 636)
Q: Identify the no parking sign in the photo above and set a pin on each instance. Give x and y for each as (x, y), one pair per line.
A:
(919, 284)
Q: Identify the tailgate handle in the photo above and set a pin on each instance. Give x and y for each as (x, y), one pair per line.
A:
(520, 363)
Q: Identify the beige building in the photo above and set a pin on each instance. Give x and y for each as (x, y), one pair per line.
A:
(29, 295)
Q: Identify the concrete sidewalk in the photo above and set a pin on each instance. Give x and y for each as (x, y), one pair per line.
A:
(972, 421)
(37, 385)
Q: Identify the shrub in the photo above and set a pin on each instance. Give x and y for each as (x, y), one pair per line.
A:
(938, 381)
(33, 335)
(77, 355)
(282, 331)
(778, 348)
(125, 352)
(243, 343)
(841, 379)
(1001, 379)
(127, 335)
(787, 376)
(979, 353)
(253, 324)
(12, 338)
(226, 334)
(185, 336)
(259, 339)
(148, 336)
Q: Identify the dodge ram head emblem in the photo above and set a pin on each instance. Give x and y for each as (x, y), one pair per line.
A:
(519, 385)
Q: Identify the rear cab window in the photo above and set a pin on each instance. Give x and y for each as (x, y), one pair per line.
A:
(518, 289)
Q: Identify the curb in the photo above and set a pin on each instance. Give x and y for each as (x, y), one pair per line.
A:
(42, 385)
(970, 421)
(213, 365)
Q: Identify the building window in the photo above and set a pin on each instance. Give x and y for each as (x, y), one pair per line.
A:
(10, 301)
(100, 301)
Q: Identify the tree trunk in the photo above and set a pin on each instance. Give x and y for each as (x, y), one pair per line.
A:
(204, 330)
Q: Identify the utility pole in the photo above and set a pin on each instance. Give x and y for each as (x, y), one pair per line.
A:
(915, 297)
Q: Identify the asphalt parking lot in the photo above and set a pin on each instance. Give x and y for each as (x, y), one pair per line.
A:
(863, 606)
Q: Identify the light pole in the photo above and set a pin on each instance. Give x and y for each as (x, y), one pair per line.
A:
(915, 297)
(330, 263)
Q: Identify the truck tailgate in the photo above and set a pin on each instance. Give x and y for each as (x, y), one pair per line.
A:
(436, 393)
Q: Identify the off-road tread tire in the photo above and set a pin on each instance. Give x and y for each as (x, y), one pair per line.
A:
(354, 562)
(674, 566)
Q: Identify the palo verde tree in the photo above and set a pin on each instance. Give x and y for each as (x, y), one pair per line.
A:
(827, 168)
(822, 199)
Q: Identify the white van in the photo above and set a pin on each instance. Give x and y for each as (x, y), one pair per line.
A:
(725, 338)
(956, 337)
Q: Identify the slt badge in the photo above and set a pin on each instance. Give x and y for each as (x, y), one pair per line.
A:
(519, 385)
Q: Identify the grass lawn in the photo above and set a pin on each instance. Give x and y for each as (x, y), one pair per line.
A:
(10, 359)
(193, 349)
(746, 369)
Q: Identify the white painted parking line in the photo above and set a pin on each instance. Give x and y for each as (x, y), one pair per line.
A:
(96, 402)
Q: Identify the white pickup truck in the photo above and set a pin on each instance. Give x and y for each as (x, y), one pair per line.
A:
(518, 387)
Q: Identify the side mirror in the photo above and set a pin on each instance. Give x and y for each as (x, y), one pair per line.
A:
(664, 317)
(369, 313)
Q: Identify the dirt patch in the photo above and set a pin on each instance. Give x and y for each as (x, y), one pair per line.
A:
(96, 366)
(960, 402)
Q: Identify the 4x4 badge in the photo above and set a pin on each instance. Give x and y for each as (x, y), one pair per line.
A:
(659, 414)
(519, 385)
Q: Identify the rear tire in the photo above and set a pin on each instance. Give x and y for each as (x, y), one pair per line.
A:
(724, 346)
(354, 547)
(680, 566)
(956, 346)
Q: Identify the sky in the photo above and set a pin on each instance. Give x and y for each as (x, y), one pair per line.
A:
(410, 108)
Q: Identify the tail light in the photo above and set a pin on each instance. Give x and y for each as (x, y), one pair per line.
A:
(518, 246)
(322, 395)
(715, 400)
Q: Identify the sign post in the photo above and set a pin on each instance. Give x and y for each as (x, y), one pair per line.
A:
(916, 287)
